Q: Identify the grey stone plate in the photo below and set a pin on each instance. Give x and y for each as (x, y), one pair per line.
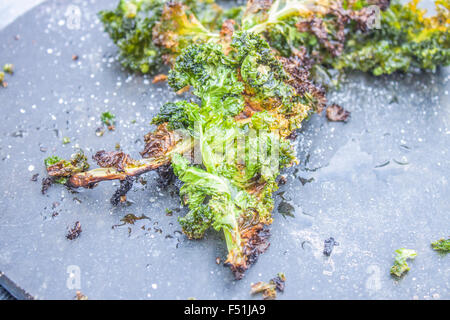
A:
(377, 183)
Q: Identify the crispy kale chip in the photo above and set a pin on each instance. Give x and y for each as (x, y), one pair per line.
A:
(405, 40)
(214, 200)
(130, 27)
(240, 137)
(400, 266)
(61, 169)
(317, 30)
(151, 32)
(260, 70)
(441, 245)
(370, 36)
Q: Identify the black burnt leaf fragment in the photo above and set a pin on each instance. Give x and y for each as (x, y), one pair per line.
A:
(74, 232)
(329, 245)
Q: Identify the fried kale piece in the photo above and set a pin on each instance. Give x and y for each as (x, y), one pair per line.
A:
(151, 32)
(350, 35)
(441, 245)
(60, 170)
(400, 266)
(117, 165)
(269, 290)
(336, 113)
(406, 40)
(130, 27)
(230, 188)
(314, 29)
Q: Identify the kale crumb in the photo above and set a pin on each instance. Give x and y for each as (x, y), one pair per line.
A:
(66, 140)
(441, 245)
(269, 290)
(80, 296)
(99, 132)
(329, 245)
(8, 68)
(336, 113)
(46, 183)
(400, 266)
(286, 209)
(159, 78)
(109, 120)
(2, 80)
(74, 232)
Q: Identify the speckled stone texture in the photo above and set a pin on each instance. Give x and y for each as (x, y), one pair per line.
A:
(375, 184)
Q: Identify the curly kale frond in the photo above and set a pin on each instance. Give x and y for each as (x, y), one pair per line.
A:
(281, 86)
(130, 27)
(232, 191)
(151, 32)
(178, 115)
(347, 35)
(212, 76)
(259, 68)
(400, 265)
(406, 40)
(214, 201)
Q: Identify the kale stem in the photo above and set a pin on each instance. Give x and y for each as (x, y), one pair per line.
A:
(89, 178)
